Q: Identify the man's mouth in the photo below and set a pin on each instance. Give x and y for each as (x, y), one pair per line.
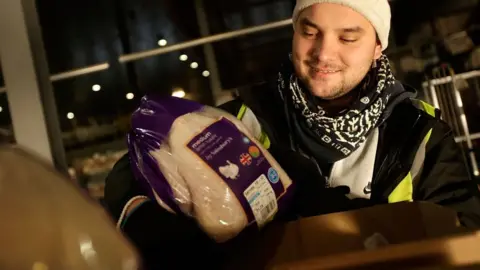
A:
(324, 71)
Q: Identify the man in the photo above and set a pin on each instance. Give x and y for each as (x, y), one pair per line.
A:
(338, 122)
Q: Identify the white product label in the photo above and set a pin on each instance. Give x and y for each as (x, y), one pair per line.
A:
(261, 197)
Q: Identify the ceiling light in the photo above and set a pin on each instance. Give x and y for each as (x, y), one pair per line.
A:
(96, 87)
(130, 96)
(162, 42)
(194, 65)
(183, 57)
(206, 73)
(70, 115)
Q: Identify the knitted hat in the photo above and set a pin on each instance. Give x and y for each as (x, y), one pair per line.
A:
(376, 11)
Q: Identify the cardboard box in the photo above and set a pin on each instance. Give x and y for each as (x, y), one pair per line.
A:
(418, 234)
(455, 252)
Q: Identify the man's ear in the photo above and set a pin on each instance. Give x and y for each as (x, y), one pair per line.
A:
(378, 51)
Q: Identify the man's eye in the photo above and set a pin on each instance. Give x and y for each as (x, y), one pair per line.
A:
(347, 40)
(308, 34)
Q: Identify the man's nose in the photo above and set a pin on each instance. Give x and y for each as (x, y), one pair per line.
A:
(325, 49)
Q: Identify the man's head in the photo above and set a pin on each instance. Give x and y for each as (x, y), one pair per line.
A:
(336, 42)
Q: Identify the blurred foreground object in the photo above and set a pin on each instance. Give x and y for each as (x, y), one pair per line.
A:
(48, 224)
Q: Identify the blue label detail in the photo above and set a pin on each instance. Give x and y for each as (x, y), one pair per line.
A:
(254, 198)
(273, 176)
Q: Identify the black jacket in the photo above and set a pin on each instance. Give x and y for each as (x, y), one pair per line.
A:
(165, 240)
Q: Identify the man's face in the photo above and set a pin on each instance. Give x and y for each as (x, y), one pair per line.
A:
(333, 49)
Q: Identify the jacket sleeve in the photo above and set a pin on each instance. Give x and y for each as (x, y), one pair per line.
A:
(446, 180)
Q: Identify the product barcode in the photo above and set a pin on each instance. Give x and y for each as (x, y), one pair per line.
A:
(268, 209)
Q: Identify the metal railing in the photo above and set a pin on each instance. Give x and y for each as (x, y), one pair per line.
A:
(441, 91)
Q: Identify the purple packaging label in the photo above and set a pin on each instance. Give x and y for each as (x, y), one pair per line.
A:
(151, 124)
(156, 115)
(147, 172)
(243, 167)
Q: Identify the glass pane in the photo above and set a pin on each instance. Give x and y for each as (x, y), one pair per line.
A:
(227, 16)
(92, 32)
(94, 110)
(254, 58)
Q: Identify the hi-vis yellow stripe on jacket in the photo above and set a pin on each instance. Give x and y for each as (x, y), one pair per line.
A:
(404, 190)
(251, 122)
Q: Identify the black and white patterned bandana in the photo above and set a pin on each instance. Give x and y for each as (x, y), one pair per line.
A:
(344, 133)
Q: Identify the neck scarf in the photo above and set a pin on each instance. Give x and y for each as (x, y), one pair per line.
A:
(344, 133)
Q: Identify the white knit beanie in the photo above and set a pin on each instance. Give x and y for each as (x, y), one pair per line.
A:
(376, 11)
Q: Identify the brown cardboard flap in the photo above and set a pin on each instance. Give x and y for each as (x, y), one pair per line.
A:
(438, 221)
(345, 232)
(458, 251)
